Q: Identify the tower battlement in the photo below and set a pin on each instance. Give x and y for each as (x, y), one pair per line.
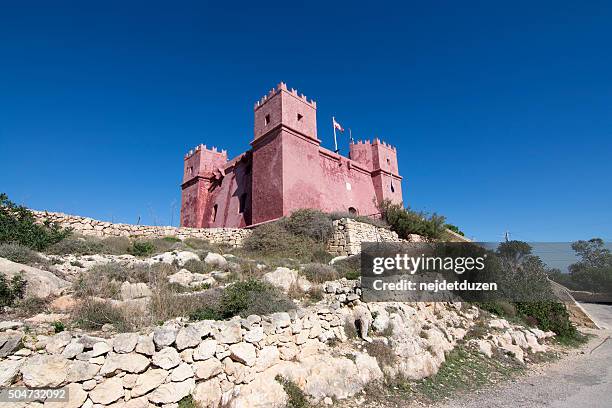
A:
(202, 148)
(376, 141)
(283, 87)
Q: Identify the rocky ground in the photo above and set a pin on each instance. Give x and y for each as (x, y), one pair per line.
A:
(330, 347)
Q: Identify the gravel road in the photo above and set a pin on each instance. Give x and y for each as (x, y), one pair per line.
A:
(583, 379)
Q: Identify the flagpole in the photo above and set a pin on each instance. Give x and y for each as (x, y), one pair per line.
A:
(335, 140)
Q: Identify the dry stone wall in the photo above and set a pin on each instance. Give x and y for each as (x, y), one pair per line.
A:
(89, 226)
(346, 239)
(349, 234)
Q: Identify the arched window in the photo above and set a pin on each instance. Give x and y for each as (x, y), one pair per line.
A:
(353, 211)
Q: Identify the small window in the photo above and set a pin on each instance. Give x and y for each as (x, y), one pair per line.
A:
(299, 117)
(242, 203)
(388, 162)
(267, 120)
(353, 211)
(190, 171)
(392, 188)
(213, 216)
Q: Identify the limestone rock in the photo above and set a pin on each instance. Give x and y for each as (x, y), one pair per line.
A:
(164, 336)
(243, 353)
(268, 356)
(149, 381)
(9, 343)
(44, 370)
(125, 342)
(230, 333)
(215, 260)
(182, 372)
(130, 362)
(145, 345)
(167, 358)
(179, 257)
(188, 337)
(131, 291)
(110, 390)
(40, 284)
(73, 349)
(207, 394)
(172, 392)
(282, 278)
(81, 371)
(8, 371)
(208, 368)
(76, 398)
(205, 350)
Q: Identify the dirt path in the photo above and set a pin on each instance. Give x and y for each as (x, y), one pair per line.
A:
(582, 379)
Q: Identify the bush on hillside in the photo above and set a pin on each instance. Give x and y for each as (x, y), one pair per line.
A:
(253, 297)
(20, 254)
(76, 245)
(141, 248)
(11, 290)
(17, 224)
(455, 229)
(319, 273)
(548, 315)
(272, 239)
(309, 223)
(405, 221)
(349, 268)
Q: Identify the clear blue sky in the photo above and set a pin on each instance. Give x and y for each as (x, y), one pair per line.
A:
(501, 111)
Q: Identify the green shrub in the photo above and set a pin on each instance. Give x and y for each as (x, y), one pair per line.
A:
(92, 314)
(319, 273)
(17, 224)
(349, 268)
(548, 315)
(58, 327)
(76, 245)
(11, 290)
(455, 229)
(20, 254)
(500, 308)
(405, 221)
(253, 297)
(171, 239)
(309, 223)
(141, 248)
(197, 243)
(383, 353)
(272, 239)
(115, 245)
(297, 398)
(188, 402)
(195, 266)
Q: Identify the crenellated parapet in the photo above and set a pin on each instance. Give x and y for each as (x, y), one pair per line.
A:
(283, 87)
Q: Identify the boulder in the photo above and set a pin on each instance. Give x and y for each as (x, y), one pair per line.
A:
(283, 278)
(41, 284)
(8, 325)
(215, 260)
(268, 356)
(73, 349)
(131, 291)
(182, 277)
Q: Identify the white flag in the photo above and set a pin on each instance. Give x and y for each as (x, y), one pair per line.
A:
(337, 125)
